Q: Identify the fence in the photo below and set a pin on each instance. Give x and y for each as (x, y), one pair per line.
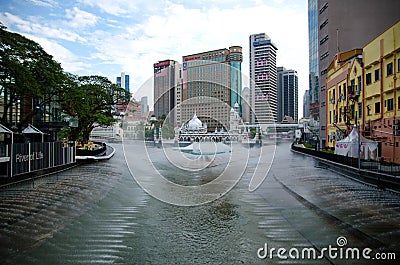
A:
(390, 169)
(31, 157)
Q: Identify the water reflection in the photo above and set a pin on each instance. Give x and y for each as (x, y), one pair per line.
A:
(97, 214)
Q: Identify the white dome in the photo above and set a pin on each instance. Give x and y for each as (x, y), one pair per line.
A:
(195, 123)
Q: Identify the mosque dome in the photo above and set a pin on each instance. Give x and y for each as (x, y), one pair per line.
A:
(195, 123)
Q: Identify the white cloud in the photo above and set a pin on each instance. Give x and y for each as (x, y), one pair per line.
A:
(36, 28)
(180, 31)
(115, 7)
(132, 35)
(80, 18)
(69, 61)
(44, 3)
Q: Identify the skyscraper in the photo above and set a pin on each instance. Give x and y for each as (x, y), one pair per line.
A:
(313, 103)
(246, 104)
(263, 79)
(287, 94)
(342, 26)
(145, 106)
(211, 85)
(166, 74)
(123, 81)
(306, 104)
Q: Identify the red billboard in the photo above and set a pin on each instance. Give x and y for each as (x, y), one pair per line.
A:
(162, 63)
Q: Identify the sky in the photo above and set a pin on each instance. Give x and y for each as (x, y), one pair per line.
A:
(107, 37)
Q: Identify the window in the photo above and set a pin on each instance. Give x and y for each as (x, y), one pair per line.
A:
(368, 78)
(323, 40)
(360, 110)
(377, 107)
(368, 110)
(323, 24)
(323, 8)
(398, 65)
(389, 104)
(377, 75)
(323, 56)
(351, 87)
(389, 69)
(398, 102)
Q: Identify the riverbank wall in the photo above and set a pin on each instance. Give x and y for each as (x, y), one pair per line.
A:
(380, 175)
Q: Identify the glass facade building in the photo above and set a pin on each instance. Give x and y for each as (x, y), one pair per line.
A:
(211, 86)
(313, 100)
(287, 94)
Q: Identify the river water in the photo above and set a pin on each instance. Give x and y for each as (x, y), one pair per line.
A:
(102, 213)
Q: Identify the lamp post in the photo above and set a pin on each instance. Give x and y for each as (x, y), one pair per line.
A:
(358, 143)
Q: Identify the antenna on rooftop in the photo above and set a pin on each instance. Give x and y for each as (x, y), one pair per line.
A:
(337, 40)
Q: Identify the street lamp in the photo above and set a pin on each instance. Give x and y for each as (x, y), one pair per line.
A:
(358, 142)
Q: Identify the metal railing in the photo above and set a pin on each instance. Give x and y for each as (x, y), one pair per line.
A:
(376, 166)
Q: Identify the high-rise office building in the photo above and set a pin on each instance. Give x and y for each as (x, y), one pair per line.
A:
(342, 26)
(263, 79)
(123, 81)
(287, 94)
(306, 104)
(313, 59)
(246, 105)
(145, 106)
(166, 74)
(211, 86)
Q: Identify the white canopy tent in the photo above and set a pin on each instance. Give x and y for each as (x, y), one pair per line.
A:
(349, 146)
(33, 130)
(4, 129)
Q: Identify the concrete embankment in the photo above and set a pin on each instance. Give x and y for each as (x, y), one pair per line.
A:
(348, 167)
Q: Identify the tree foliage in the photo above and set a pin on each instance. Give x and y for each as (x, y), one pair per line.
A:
(91, 99)
(26, 71)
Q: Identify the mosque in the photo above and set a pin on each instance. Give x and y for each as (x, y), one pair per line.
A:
(196, 131)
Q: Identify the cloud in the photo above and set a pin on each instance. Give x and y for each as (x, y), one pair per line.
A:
(80, 18)
(130, 35)
(39, 28)
(44, 3)
(115, 7)
(69, 61)
(180, 31)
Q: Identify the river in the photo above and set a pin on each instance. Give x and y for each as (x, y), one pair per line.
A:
(104, 213)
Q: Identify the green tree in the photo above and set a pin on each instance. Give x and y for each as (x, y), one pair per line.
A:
(167, 127)
(92, 100)
(26, 71)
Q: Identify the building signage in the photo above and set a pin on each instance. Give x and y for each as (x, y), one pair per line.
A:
(262, 42)
(23, 158)
(191, 58)
(30, 157)
(161, 64)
